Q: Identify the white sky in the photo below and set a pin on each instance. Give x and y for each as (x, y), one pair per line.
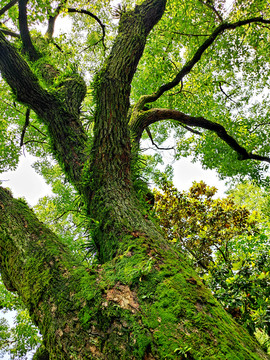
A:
(25, 182)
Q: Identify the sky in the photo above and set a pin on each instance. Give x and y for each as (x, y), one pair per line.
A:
(25, 182)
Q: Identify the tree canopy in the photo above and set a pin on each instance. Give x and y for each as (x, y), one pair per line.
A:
(83, 101)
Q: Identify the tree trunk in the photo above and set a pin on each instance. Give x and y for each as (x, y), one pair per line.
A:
(145, 303)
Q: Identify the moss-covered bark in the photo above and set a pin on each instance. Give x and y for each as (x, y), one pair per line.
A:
(144, 304)
(142, 301)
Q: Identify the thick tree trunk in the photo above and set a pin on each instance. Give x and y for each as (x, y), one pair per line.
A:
(143, 301)
(144, 304)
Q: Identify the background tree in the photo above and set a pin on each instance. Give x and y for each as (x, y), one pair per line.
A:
(228, 245)
(85, 100)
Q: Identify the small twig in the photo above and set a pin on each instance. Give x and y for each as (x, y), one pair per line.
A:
(38, 130)
(211, 7)
(264, 26)
(57, 46)
(227, 96)
(178, 92)
(35, 141)
(64, 213)
(258, 125)
(191, 130)
(82, 11)
(152, 141)
(186, 34)
(88, 47)
(12, 106)
(26, 123)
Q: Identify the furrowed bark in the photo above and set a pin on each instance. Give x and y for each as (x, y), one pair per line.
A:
(144, 304)
(111, 152)
(58, 109)
(44, 273)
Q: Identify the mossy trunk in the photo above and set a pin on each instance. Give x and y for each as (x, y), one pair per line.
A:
(145, 303)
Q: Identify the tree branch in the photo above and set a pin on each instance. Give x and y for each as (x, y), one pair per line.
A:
(196, 58)
(28, 46)
(82, 11)
(128, 49)
(52, 19)
(31, 263)
(27, 115)
(112, 89)
(8, 6)
(60, 113)
(154, 115)
(227, 96)
(189, 34)
(51, 24)
(152, 141)
(211, 7)
(10, 33)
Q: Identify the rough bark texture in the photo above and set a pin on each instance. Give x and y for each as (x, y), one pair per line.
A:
(144, 304)
(143, 301)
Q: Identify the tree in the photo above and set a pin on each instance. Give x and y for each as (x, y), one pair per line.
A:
(227, 243)
(201, 225)
(142, 300)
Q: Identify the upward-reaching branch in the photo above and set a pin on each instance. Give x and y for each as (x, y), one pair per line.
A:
(60, 111)
(8, 6)
(28, 46)
(112, 91)
(196, 58)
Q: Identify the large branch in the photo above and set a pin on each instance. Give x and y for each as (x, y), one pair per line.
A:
(129, 44)
(36, 264)
(146, 118)
(8, 6)
(59, 112)
(20, 78)
(196, 58)
(112, 93)
(28, 46)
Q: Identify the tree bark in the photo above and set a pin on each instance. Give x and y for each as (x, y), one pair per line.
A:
(145, 304)
(143, 301)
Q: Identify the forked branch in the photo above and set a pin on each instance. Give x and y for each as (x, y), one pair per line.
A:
(28, 46)
(154, 115)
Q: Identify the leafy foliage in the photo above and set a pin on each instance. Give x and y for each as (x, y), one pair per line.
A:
(199, 223)
(226, 86)
(21, 336)
(225, 243)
